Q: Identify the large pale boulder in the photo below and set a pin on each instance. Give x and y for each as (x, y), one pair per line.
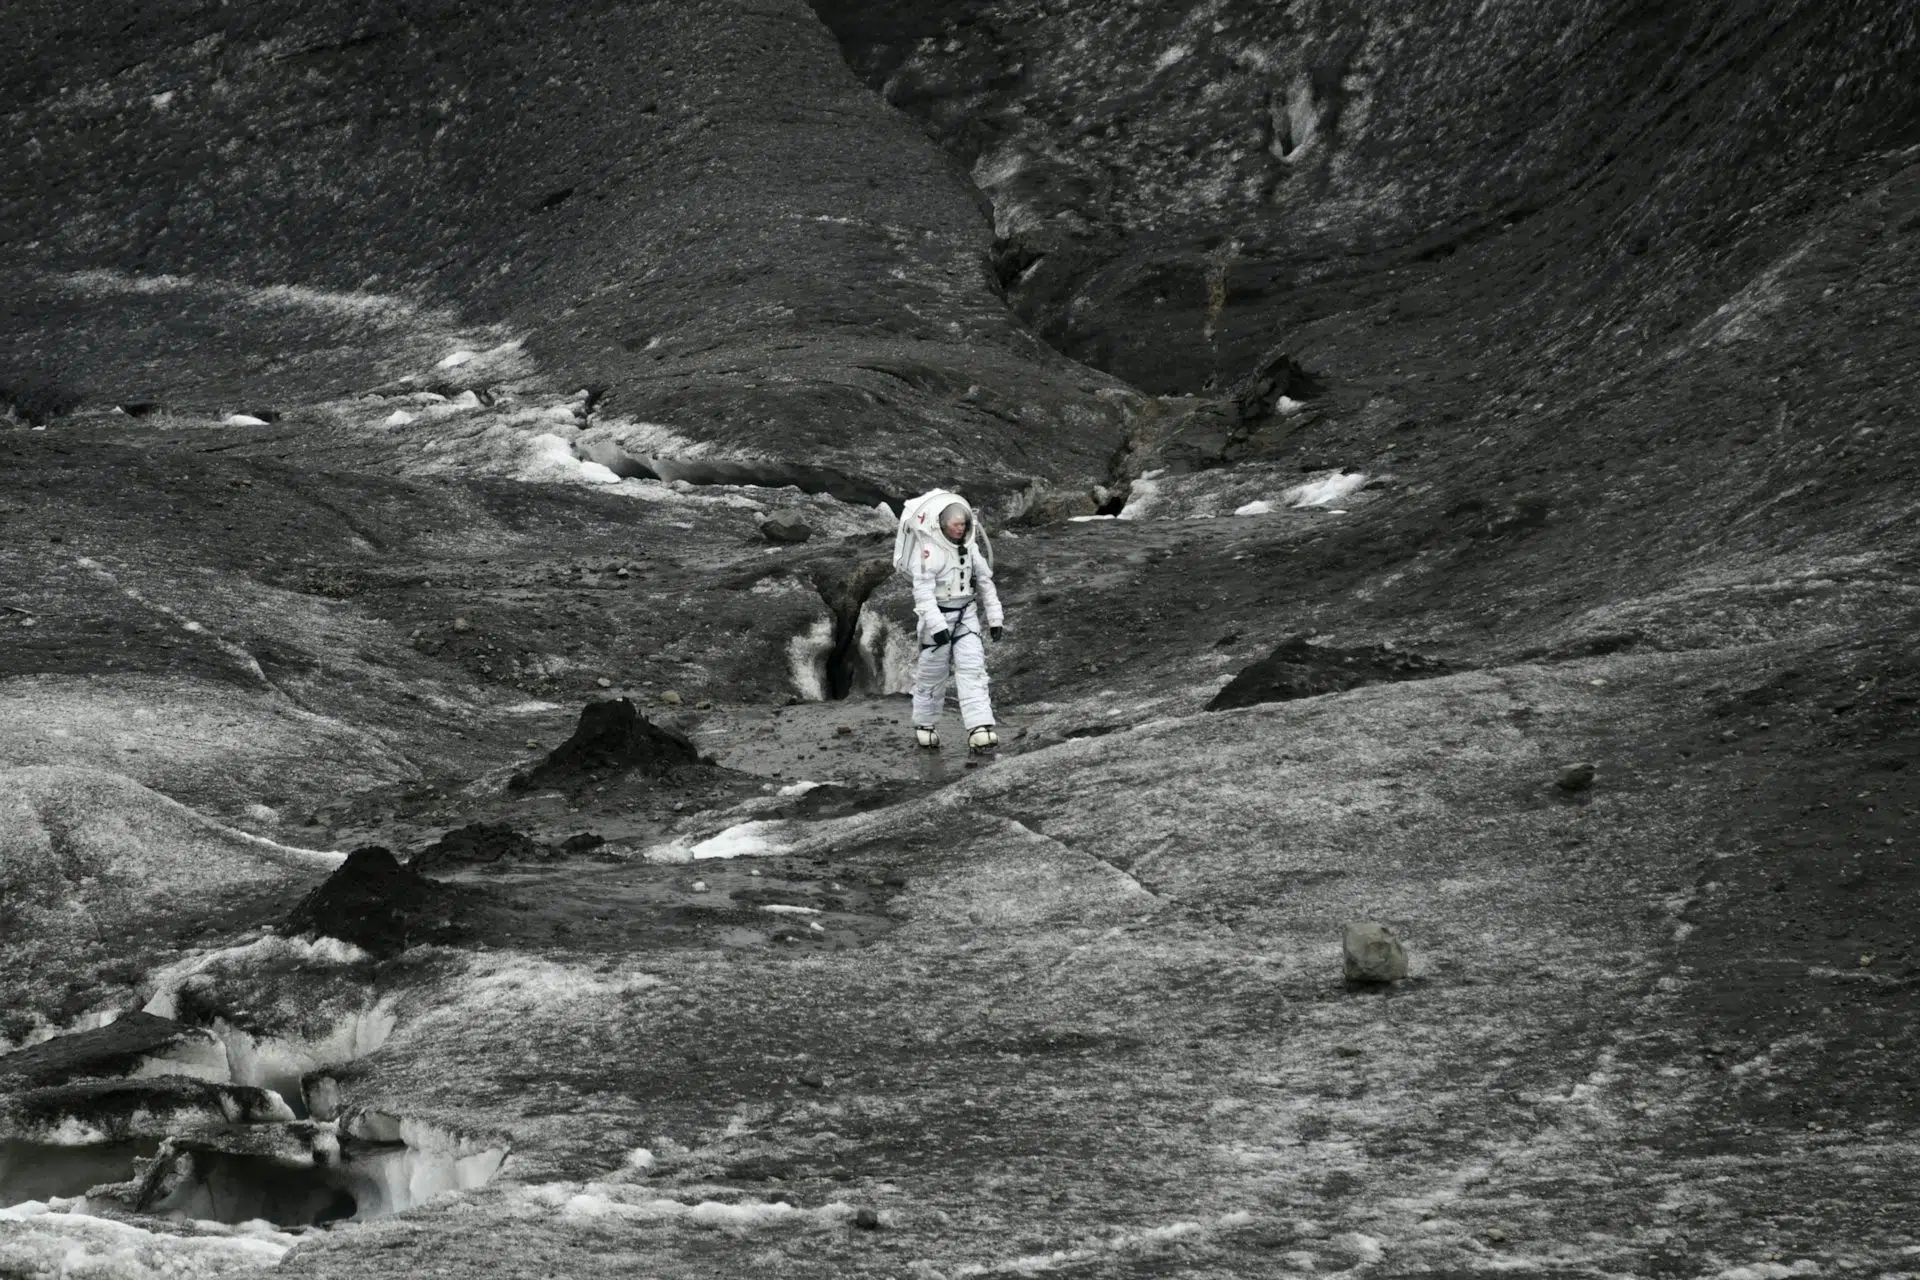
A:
(1372, 952)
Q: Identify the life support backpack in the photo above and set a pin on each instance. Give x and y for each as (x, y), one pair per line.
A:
(920, 529)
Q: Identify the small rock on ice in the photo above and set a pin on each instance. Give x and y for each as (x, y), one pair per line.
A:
(398, 418)
(1372, 952)
(785, 526)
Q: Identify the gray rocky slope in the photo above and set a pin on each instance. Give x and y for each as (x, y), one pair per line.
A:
(384, 384)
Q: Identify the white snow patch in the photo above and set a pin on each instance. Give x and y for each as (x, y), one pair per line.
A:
(1288, 406)
(798, 788)
(59, 1238)
(1171, 56)
(1084, 519)
(457, 359)
(789, 909)
(362, 306)
(398, 418)
(749, 839)
(1771, 1270)
(161, 101)
(807, 660)
(1142, 496)
(244, 420)
(626, 1202)
(550, 457)
(642, 1159)
(1324, 490)
(1260, 508)
(530, 708)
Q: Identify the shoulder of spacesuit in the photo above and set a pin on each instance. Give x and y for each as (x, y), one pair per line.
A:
(932, 557)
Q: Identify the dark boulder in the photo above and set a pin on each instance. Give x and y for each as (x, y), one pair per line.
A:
(785, 526)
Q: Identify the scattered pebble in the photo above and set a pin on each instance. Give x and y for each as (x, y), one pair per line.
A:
(604, 682)
(844, 729)
(866, 1220)
(699, 886)
(1497, 1235)
(671, 698)
(461, 624)
(813, 1079)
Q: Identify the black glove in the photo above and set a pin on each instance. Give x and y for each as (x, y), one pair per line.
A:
(941, 636)
(994, 632)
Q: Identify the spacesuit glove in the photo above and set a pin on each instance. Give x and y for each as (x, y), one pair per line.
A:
(994, 632)
(942, 636)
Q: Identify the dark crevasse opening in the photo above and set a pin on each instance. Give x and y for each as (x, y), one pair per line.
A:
(43, 1170)
(851, 489)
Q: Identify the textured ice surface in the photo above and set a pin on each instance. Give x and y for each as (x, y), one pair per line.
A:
(59, 1239)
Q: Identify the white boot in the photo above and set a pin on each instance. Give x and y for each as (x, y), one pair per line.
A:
(983, 738)
(926, 736)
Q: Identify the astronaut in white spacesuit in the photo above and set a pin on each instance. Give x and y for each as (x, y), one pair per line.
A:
(957, 609)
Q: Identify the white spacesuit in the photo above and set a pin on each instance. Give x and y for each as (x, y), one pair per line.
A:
(957, 608)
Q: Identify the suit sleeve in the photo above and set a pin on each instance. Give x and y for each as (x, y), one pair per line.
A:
(989, 597)
(925, 607)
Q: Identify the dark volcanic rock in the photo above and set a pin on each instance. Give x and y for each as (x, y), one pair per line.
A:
(1297, 669)
(612, 737)
(785, 526)
(378, 905)
(479, 844)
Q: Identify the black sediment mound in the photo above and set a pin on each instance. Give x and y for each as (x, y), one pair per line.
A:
(378, 905)
(479, 844)
(612, 737)
(1297, 669)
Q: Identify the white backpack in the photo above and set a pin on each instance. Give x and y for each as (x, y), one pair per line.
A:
(920, 528)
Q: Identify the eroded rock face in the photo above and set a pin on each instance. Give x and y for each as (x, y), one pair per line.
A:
(1175, 189)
